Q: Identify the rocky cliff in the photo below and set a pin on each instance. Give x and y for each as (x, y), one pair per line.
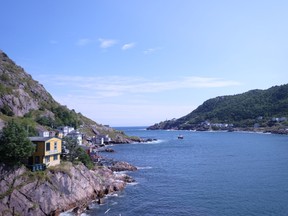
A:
(19, 93)
(55, 190)
(26, 100)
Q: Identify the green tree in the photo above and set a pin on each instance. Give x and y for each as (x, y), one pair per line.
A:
(76, 153)
(71, 145)
(84, 158)
(15, 147)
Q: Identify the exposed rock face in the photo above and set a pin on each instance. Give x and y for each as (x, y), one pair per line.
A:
(55, 191)
(21, 104)
(19, 93)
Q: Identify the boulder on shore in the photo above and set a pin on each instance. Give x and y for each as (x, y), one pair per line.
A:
(119, 166)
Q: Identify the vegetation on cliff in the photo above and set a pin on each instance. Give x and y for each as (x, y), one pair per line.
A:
(15, 147)
(76, 153)
(263, 108)
(27, 102)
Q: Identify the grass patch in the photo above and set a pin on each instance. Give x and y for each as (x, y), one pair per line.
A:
(7, 193)
(63, 167)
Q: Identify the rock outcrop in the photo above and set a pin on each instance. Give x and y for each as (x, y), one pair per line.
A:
(25, 99)
(19, 93)
(119, 166)
(55, 190)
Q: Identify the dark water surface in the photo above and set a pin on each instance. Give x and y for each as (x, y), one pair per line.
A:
(205, 174)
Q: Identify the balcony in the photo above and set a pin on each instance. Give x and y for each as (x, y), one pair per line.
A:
(51, 152)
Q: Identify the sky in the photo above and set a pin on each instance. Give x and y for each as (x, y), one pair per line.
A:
(136, 63)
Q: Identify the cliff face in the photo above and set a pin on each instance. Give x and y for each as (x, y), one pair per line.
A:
(54, 191)
(19, 93)
(24, 99)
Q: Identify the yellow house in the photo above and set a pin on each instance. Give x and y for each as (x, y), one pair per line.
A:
(48, 150)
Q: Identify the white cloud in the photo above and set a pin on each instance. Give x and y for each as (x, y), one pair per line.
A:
(113, 86)
(106, 43)
(208, 82)
(152, 50)
(118, 100)
(84, 41)
(128, 46)
(124, 114)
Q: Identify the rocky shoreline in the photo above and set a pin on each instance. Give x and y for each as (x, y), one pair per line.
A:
(66, 187)
(270, 130)
(58, 189)
(261, 130)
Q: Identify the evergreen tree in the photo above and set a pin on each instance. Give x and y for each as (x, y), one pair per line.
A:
(15, 146)
(71, 145)
(84, 158)
(76, 153)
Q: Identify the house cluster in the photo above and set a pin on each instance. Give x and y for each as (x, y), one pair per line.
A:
(100, 140)
(281, 119)
(221, 126)
(274, 119)
(49, 146)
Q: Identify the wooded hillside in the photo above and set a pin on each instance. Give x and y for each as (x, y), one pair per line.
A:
(266, 108)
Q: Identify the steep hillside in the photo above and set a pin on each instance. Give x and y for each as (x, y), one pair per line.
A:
(27, 101)
(260, 108)
(18, 91)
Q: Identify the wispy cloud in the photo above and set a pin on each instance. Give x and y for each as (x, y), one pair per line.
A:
(152, 50)
(106, 43)
(121, 98)
(117, 114)
(208, 82)
(113, 86)
(128, 46)
(84, 41)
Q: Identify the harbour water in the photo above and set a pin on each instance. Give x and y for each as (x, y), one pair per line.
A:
(204, 174)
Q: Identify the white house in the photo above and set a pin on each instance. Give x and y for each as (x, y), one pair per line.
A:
(101, 139)
(65, 130)
(76, 135)
(43, 133)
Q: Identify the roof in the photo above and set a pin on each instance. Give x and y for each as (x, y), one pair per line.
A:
(39, 139)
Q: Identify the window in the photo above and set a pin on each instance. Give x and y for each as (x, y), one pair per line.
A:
(55, 146)
(48, 146)
(47, 159)
(55, 157)
(36, 147)
(37, 159)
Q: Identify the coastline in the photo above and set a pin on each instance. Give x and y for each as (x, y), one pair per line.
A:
(262, 130)
(250, 130)
(64, 188)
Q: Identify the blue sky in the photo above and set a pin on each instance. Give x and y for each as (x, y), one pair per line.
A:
(131, 63)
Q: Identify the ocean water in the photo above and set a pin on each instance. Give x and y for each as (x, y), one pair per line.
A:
(205, 174)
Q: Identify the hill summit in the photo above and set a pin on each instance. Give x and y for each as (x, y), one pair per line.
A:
(265, 110)
(25, 100)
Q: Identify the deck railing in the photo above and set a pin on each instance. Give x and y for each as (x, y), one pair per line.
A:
(37, 167)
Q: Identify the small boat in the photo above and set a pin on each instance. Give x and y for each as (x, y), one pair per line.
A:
(180, 137)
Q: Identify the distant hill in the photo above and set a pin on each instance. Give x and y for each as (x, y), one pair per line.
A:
(255, 108)
(24, 99)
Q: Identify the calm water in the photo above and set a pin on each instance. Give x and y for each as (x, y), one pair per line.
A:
(205, 174)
